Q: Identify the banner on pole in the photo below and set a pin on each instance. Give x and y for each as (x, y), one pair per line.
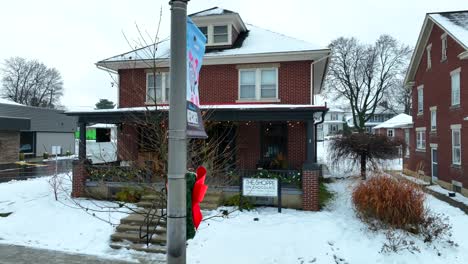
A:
(195, 51)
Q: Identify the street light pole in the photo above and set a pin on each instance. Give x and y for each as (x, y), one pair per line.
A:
(177, 167)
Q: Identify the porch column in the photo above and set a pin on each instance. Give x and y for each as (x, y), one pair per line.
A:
(310, 147)
(310, 172)
(80, 172)
(82, 144)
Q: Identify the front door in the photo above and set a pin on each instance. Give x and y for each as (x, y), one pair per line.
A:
(434, 164)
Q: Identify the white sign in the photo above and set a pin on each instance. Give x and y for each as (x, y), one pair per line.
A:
(56, 150)
(260, 187)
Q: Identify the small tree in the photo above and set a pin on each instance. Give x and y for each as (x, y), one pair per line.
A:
(361, 148)
(105, 104)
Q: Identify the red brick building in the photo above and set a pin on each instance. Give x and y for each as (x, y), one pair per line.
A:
(262, 81)
(438, 75)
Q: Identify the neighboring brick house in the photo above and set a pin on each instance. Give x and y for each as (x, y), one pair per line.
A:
(438, 75)
(262, 81)
(398, 127)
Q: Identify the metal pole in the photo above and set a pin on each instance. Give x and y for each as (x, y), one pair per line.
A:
(176, 205)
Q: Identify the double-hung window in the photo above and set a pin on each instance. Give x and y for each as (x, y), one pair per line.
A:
(444, 46)
(455, 79)
(220, 34)
(421, 138)
(420, 100)
(390, 132)
(333, 117)
(429, 59)
(433, 118)
(456, 144)
(157, 87)
(258, 84)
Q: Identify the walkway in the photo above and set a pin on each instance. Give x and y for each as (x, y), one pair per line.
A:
(13, 171)
(10, 254)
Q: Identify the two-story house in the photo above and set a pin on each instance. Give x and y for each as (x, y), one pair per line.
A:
(261, 81)
(333, 124)
(438, 75)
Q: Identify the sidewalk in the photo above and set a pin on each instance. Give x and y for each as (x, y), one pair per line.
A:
(11, 254)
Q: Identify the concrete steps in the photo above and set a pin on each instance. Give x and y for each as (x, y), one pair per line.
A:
(157, 249)
(159, 239)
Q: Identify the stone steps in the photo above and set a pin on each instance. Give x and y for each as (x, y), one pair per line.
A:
(135, 238)
(136, 229)
(139, 220)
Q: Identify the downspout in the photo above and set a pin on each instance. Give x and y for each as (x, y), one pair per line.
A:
(315, 134)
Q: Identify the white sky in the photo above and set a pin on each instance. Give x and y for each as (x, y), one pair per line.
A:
(72, 35)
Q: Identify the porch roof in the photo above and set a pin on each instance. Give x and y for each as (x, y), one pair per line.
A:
(220, 112)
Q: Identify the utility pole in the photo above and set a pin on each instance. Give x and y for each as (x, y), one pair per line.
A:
(177, 203)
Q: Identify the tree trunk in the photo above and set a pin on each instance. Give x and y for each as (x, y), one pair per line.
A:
(363, 166)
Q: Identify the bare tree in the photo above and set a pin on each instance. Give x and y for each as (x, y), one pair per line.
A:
(363, 74)
(32, 83)
(400, 98)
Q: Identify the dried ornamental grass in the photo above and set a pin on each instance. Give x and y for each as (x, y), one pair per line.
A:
(396, 203)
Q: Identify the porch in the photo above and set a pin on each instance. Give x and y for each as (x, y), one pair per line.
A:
(278, 140)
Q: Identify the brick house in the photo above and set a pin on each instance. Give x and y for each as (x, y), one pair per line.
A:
(438, 75)
(398, 127)
(262, 81)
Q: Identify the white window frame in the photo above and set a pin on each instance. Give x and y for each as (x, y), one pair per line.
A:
(420, 103)
(164, 96)
(421, 139)
(433, 120)
(258, 85)
(444, 47)
(455, 98)
(392, 132)
(332, 115)
(210, 34)
(429, 58)
(456, 128)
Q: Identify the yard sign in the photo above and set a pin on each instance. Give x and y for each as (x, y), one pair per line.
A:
(195, 51)
(260, 187)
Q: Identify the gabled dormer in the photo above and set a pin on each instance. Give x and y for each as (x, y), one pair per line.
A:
(221, 27)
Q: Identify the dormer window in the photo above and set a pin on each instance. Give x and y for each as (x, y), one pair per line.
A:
(204, 30)
(220, 34)
(217, 34)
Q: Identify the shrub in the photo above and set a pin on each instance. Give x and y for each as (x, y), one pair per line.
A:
(68, 153)
(235, 201)
(45, 155)
(392, 202)
(129, 195)
(21, 156)
(324, 194)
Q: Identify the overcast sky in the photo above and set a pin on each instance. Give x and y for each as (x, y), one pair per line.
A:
(73, 36)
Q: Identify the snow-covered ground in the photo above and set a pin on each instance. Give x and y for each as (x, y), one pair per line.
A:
(458, 197)
(37, 220)
(334, 235)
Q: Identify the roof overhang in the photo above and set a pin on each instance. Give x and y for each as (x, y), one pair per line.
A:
(14, 123)
(235, 112)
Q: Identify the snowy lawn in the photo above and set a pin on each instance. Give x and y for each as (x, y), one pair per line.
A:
(37, 220)
(334, 235)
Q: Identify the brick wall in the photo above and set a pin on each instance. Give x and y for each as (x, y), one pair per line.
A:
(219, 84)
(296, 144)
(9, 145)
(310, 190)
(248, 145)
(437, 92)
(80, 174)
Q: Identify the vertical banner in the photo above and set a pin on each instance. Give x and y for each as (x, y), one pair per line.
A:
(195, 51)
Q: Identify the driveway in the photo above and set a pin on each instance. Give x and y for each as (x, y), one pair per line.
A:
(10, 172)
(11, 254)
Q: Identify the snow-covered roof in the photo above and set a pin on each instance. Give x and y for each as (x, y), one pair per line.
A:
(257, 41)
(399, 121)
(9, 102)
(212, 12)
(455, 23)
(206, 107)
(101, 125)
